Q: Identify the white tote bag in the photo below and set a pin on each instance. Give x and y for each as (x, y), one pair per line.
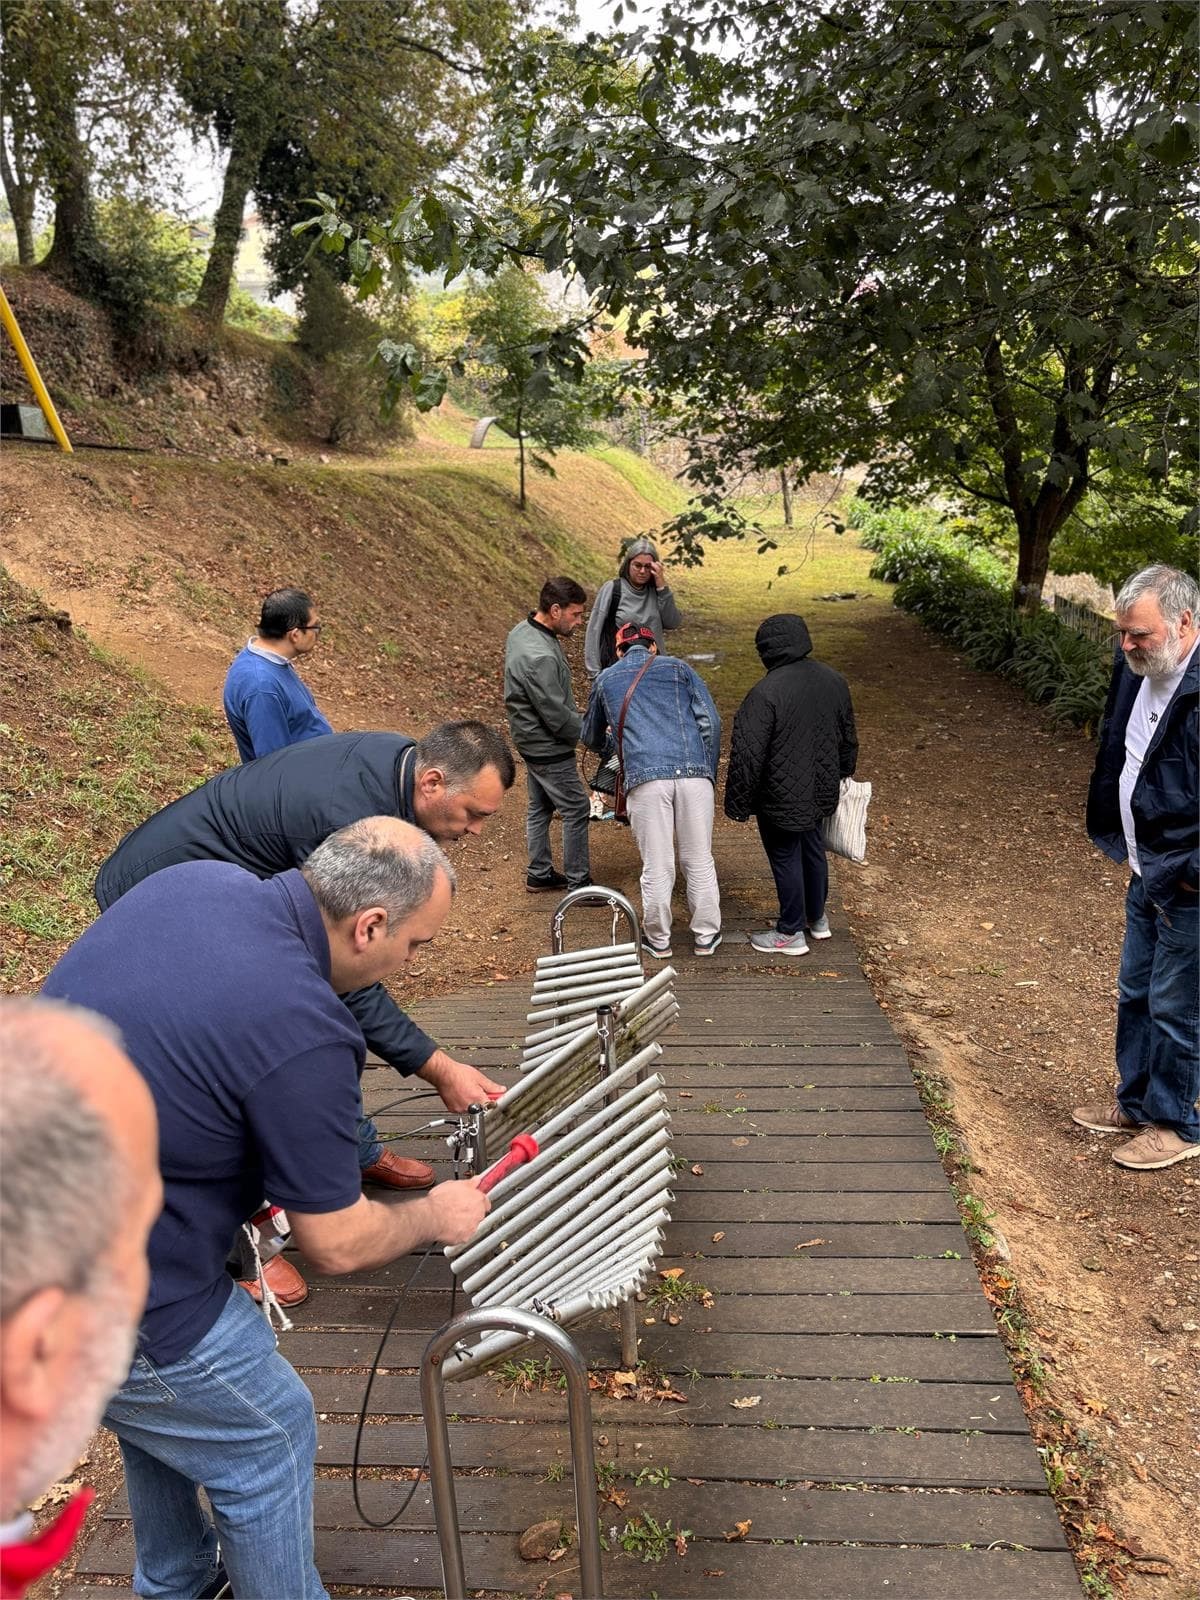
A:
(846, 830)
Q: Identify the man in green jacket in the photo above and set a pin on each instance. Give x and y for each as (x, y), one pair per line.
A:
(544, 722)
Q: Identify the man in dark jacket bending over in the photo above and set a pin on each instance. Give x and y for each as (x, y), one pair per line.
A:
(793, 743)
(1142, 807)
(271, 815)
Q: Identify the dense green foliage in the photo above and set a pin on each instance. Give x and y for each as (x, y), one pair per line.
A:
(950, 241)
(964, 592)
(507, 321)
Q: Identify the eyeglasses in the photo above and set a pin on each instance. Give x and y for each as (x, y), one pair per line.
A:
(310, 627)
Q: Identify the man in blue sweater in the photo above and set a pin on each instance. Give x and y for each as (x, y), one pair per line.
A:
(267, 702)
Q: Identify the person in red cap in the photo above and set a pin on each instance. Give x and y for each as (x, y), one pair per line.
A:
(79, 1192)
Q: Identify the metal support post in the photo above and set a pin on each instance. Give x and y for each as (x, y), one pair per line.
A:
(579, 1415)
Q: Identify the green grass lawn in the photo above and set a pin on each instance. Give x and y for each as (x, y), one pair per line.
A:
(725, 599)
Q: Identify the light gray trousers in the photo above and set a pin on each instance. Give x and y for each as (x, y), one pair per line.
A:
(661, 812)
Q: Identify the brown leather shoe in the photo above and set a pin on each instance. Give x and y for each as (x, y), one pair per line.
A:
(286, 1284)
(394, 1172)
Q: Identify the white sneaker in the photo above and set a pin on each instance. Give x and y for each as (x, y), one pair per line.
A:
(772, 942)
(820, 929)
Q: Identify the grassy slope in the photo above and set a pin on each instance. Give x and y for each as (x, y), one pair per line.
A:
(421, 564)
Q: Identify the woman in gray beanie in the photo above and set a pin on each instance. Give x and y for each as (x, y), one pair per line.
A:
(640, 594)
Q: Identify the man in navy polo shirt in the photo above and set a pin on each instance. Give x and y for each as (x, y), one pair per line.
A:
(267, 702)
(225, 988)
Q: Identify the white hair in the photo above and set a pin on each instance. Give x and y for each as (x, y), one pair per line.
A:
(1175, 591)
(62, 1187)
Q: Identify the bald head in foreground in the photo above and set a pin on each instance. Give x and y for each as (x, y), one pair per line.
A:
(79, 1191)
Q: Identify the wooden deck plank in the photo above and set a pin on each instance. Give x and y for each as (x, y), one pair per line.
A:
(880, 1242)
(796, 1274)
(679, 1351)
(332, 1306)
(718, 1204)
(748, 1571)
(945, 1460)
(798, 1402)
(865, 1516)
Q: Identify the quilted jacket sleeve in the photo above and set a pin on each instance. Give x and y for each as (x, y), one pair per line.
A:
(847, 740)
(752, 729)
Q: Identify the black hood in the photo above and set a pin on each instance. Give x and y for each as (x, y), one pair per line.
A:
(782, 639)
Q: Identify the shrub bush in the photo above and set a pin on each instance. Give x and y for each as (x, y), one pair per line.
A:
(963, 591)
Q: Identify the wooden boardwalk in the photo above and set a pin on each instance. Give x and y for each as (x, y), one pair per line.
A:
(879, 1447)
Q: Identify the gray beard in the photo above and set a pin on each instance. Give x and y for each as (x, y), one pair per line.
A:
(1157, 663)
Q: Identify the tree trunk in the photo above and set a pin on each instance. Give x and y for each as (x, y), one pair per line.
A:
(21, 194)
(787, 498)
(1033, 561)
(521, 468)
(245, 153)
(76, 255)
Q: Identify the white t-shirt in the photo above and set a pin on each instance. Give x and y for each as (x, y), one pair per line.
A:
(1153, 698)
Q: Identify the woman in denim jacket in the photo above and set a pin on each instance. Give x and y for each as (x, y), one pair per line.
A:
(670, 746)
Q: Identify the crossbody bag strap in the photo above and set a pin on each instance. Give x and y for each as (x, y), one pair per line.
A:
(625, 708)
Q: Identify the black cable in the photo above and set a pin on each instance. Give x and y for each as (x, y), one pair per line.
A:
(362, 1415)
(372, 1375)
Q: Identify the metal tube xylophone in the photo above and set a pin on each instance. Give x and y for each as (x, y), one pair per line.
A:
(581, 1192)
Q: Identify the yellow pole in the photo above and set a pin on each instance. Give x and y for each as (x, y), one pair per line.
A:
(32, 373)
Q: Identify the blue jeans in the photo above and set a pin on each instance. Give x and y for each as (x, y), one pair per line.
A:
(1158, 1013)
(801, 874)
(233, 1418)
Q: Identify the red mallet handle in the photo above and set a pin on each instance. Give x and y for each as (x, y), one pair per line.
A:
(523, 1148)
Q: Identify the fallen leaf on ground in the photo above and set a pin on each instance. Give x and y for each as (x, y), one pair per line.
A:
(671, 1272)
(987, 926)
(747, 1400)
(697, 1171)
(681, 1543)
(807, 1244)
(714, 1572)
(623, 1379)
(739, 1531)
(740, 1142)
(717, 1237)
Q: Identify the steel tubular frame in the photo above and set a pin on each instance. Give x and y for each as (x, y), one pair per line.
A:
(529, 1326)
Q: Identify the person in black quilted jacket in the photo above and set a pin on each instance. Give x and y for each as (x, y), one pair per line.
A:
(793, 742)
